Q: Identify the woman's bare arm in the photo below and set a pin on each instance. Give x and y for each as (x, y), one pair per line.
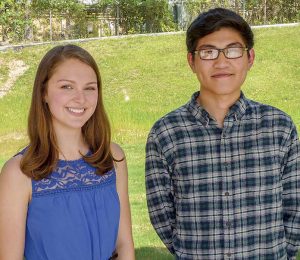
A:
(15, 193)
(125, 247)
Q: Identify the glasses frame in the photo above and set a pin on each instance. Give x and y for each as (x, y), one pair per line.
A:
(221, 50)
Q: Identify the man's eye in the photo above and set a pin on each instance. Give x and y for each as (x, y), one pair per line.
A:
(232, 49)
(208, 52)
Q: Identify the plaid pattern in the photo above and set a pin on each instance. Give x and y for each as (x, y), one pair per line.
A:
(231, 193)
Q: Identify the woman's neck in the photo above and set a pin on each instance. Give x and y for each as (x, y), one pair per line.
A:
(70, 144)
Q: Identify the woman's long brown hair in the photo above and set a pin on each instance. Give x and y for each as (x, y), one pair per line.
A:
(41, 155)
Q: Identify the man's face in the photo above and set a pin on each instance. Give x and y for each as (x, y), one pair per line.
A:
(221, 76)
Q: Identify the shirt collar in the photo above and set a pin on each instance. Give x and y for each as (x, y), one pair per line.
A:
(236, 111)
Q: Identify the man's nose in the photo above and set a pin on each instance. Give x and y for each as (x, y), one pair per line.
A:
(221, 60)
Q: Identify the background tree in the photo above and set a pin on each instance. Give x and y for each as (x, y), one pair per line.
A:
(43, 20)
(136, 16)
(156, 16)
(254, 11)
(13, 19)
(68, 10)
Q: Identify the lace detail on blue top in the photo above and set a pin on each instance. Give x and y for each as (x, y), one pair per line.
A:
(71, 175)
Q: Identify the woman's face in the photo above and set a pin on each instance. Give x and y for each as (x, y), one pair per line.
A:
(72, 94)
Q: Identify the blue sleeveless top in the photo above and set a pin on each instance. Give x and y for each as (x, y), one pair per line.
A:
(73, 215)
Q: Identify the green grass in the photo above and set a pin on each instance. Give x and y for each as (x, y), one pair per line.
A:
(154, 73)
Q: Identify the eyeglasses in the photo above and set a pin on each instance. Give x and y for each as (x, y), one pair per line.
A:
(213, 53)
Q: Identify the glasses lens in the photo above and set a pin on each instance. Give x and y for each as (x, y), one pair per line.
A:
(208, 54)
(233, 52)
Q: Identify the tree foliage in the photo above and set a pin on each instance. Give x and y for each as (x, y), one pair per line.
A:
(272, 11)
(13, 20)
(69, 10)
(64, 19)
(140, 15)
(254, 11)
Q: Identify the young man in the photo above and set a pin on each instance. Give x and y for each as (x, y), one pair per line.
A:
(222, 171)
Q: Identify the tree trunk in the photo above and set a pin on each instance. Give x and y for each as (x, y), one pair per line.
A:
(117, 20)
(68, 27)
(265, 11)
(50, 18)
(28, 35)
(236, 6)
(2, 34)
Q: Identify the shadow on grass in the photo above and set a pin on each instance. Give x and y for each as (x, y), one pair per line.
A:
(152, 253)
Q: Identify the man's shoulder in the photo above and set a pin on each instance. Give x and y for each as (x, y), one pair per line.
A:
(171, 119)
(265, 110)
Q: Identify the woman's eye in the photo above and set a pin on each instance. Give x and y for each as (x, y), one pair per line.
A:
(91, 88)
(66, 87)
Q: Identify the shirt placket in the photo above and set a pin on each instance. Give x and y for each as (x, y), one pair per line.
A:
(227, 198)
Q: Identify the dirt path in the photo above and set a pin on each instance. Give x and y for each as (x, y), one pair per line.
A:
(16, 69)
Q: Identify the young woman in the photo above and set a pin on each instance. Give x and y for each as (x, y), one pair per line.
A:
(65, 196)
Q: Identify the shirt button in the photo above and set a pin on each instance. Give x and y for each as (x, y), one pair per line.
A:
(228, 224)
(226, 193)
(228, 254)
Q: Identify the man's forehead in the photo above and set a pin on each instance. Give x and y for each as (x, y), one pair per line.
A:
(222, 38)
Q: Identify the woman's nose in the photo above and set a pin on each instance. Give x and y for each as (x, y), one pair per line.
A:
(79, 96)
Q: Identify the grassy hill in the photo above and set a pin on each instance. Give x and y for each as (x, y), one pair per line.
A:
(144, 78)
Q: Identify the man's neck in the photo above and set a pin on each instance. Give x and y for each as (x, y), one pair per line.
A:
(217, 105)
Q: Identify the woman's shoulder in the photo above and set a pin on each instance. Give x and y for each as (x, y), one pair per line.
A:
(12, 176)
(117, 152)
(12, 165)
(119, 159)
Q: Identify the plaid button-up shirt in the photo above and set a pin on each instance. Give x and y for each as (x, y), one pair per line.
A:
(230, 193)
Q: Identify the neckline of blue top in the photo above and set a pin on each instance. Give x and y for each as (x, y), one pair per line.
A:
(75, 160)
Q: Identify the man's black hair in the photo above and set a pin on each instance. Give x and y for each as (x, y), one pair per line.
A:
(213, 20)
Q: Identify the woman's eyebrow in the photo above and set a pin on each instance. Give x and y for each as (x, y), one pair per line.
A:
(72, 81)
(68, 80)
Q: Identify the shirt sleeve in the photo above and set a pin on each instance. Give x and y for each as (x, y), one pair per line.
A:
(159, 193)
(291, 194)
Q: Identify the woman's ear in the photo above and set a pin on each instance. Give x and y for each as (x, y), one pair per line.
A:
(45, 99)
